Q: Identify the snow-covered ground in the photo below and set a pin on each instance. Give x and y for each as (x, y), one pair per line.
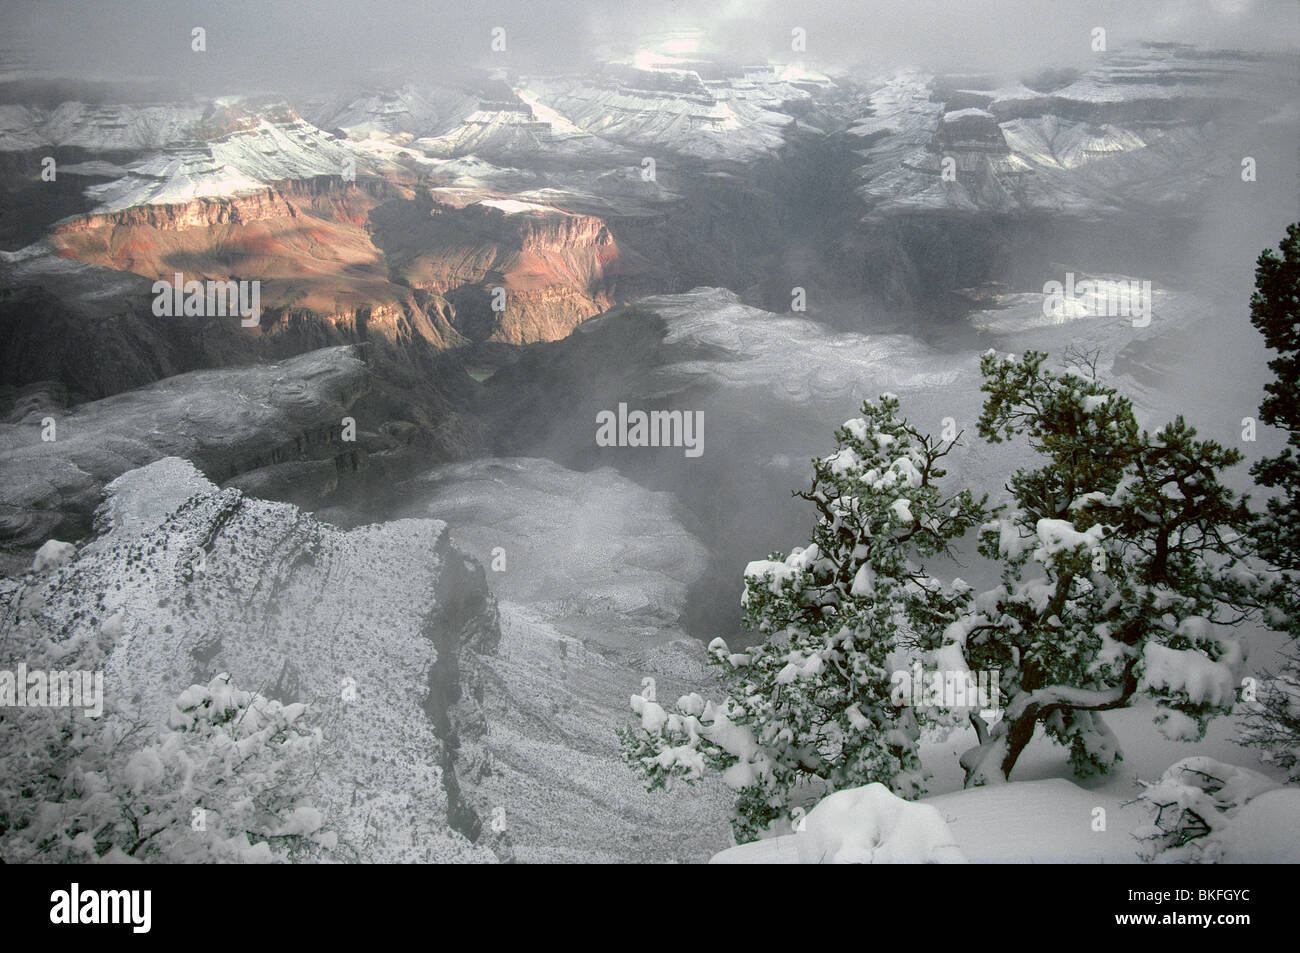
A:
(203, 416)
(1051, 821)
(243, 161)
(1047, 816)
(733, 119)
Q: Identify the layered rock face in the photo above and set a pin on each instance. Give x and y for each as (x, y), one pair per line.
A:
(393, 214)
(259, 423)
(326, 253)
(252, 192)
(93, 330)
(733, 118)
(306, 243)
(554, 269)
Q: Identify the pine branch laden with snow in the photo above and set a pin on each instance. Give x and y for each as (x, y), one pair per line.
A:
(1193, 807)
(1125, 571)
(222, 780)
(807, 710)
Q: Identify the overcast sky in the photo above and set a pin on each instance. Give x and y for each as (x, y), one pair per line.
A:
(316, 41)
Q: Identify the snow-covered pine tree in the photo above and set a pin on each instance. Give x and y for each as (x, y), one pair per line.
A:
(807, 710)
(1124, 571)
(1272, 723)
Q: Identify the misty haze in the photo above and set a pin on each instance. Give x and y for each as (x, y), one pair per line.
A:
(665, 432)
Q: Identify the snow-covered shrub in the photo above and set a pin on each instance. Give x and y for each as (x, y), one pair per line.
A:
(221, 780)
(1271, 721)
(807, 710)
(1195, 809)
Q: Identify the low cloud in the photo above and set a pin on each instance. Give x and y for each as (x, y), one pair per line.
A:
(279, 43)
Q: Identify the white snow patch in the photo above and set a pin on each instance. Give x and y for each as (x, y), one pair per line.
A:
(864, 825)
(52, 554)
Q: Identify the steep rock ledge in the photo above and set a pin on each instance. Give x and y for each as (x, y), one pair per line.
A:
(300, 611)
(230, 423)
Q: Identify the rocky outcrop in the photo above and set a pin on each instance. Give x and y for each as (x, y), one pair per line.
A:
(416, 272)
(206, 581)
(970, 130)
(454, 730)
(305, 243)
(554, 268)
(229, 422)
(93, 330)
